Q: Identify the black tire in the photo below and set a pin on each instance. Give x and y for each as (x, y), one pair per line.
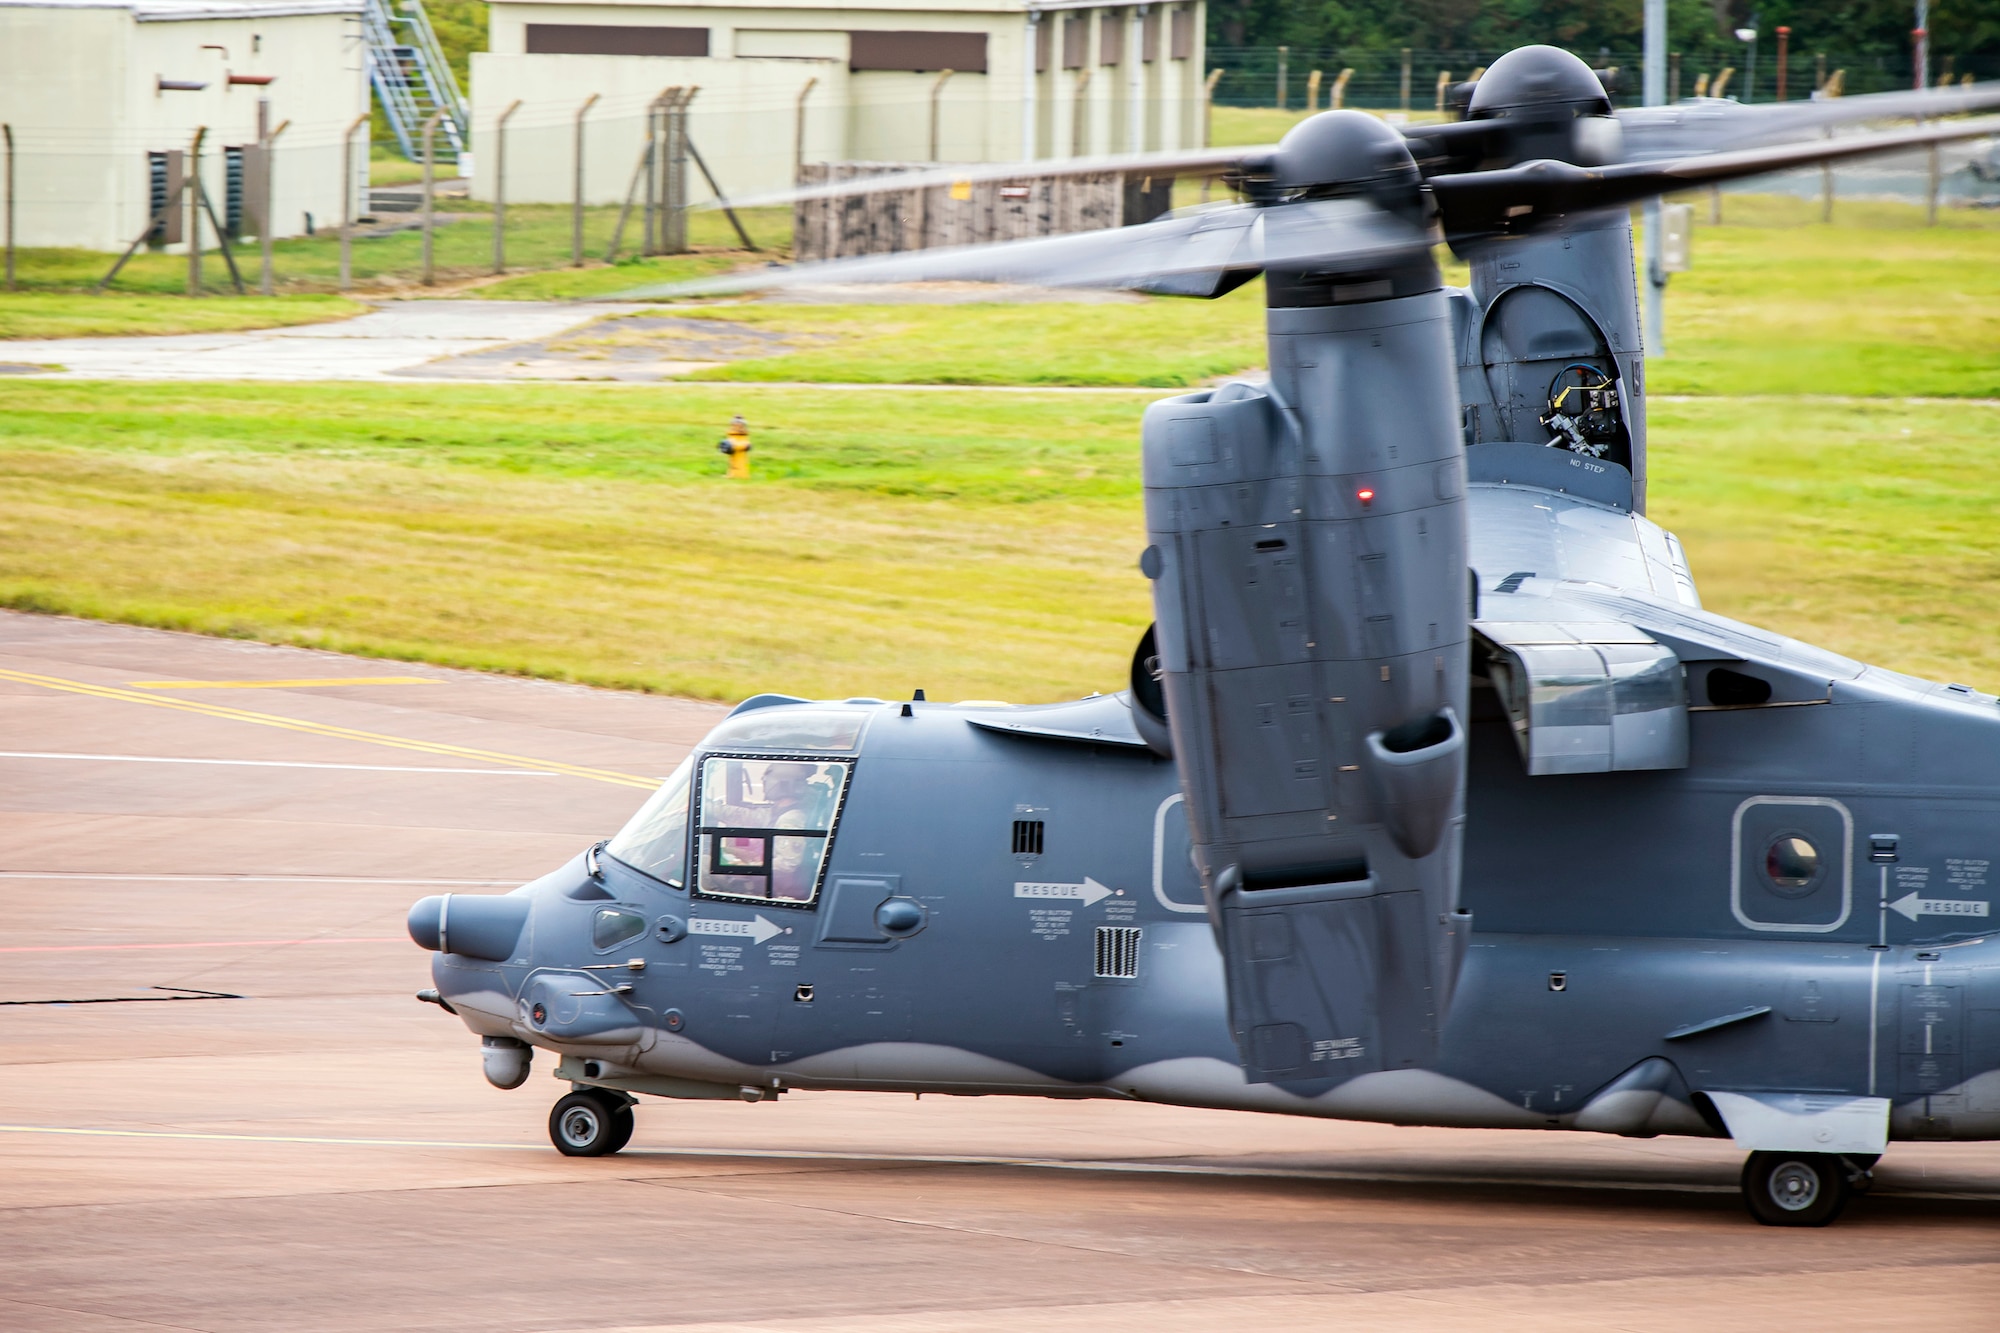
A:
(1795, 1189)
(590, 1123)
(621, 1127)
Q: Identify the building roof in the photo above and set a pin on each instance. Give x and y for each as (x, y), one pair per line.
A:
(183, 11)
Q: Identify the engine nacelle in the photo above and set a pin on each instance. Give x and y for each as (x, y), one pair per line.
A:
(1311, 591)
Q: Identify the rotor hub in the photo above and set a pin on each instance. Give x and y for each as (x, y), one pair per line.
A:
(1537, 80)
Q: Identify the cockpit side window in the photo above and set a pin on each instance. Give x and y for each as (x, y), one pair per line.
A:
(765, 826)
(655, 841)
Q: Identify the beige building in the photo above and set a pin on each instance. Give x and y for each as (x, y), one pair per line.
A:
(99, 93)
(786, 81)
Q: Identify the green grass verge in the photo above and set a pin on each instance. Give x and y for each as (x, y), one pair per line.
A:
(1866, 528)
(1876, 304)
(75, 315)
(977, 544)
(982, 547)
(1153, 343)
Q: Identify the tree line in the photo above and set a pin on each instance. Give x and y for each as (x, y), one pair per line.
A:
(1965, 32)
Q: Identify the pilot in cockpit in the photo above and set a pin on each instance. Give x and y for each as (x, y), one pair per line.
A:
(793, 799)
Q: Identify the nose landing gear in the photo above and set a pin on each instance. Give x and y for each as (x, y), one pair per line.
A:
(591, 1122)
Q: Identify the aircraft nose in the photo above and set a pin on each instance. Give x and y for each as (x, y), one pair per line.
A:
(473, 925)
(427, 920)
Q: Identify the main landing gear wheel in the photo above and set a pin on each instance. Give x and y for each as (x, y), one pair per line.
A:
(590, 1123)
(1795, 1189)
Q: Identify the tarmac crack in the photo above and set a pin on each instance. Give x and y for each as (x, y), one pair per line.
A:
(6, 1300)
(188, 994)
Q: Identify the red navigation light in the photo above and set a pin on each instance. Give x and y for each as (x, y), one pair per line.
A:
(1364, 495)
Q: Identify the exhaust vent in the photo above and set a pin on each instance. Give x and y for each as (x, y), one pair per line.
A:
(1118, 951)
(1027, 837)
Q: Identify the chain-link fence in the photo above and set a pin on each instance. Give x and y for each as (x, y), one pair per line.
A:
(299, 212)
(1407, 79)
(555, 198)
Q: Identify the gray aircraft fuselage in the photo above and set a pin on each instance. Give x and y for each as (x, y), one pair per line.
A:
(1437, 798)
(1630, 954)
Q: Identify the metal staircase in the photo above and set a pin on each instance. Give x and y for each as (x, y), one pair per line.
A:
(412, 79)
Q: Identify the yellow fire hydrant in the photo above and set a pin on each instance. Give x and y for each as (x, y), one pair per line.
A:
(735, 446)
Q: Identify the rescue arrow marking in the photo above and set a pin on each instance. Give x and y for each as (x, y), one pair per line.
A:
(1088, 892)
(757, 928)
(1913, 907)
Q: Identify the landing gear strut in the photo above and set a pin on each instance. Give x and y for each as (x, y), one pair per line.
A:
(1799, 1189)
(591, 1122)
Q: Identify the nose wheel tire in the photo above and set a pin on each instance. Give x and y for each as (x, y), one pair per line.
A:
(591, 1123)
(1795, 1189)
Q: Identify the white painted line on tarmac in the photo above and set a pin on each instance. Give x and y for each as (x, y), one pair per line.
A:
(315, 683)
(461, 752)
(257, 879)
(943, 1159)
(276, 763)
(254, 1138)
(1086, 1165)
(208, 944)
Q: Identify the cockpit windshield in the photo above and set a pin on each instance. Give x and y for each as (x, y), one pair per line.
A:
(789, 728)
(765, 826)
(655, 841)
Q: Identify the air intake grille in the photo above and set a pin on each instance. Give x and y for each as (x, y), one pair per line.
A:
(1118, 951)
(1027, 837)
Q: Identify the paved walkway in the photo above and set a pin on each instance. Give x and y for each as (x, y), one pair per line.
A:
(396, 339)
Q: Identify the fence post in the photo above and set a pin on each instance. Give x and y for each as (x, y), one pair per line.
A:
(1444, 82)
(500, 187)
(192, 187)
(1406, 81)
(1135, 79)
(347, 202)
(1312, 92)
(270, 146)
(576, 208)
(8, 130)
(937, 89)
(430, 190)
(1338, 99)
(1284, 57)
(1784, 57)
(675, 219)
(655, 172)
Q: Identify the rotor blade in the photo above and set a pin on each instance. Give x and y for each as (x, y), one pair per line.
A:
(1330, 235)
(1712, 125)
(1481, 204)
(1212, 161)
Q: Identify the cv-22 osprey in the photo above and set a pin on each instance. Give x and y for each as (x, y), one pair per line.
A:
(1436, 797)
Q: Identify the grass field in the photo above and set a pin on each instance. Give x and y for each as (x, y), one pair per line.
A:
(1154, 343)
(69, 315)
(1877, 304)
(978, 544)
